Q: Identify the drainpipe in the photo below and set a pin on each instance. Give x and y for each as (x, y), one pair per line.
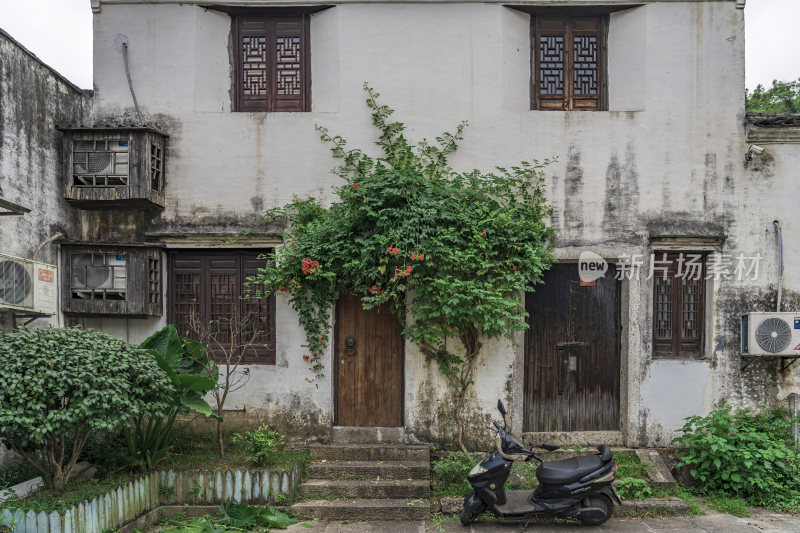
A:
(779, 235)
(46, 241)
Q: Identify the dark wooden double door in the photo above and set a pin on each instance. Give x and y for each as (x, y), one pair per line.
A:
(572, 353)
(369, 366)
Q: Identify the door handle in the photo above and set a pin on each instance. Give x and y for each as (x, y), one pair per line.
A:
(350, 344)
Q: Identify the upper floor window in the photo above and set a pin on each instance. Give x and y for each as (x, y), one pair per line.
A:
(271, 55)
(569, 62)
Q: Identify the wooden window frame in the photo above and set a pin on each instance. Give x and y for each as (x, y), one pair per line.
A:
(568, 102)
(675, 346)
(271, 102)
(265, 355)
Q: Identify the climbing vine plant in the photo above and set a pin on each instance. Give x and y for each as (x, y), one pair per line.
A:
(453, 249)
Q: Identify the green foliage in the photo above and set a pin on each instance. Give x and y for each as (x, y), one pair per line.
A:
(449, 476)
(247, 516)
(58, 385)
(629, 465)
(633, 488)
(75, 492)
(261, 445)
(725, 503)
(782, 97)
(465, 244)
(184, 361)
(743, 453)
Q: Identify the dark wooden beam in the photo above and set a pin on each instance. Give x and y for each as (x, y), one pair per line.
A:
(9, 208)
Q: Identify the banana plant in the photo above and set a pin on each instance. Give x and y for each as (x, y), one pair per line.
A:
(192, 374)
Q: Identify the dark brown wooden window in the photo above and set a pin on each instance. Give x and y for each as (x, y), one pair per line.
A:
(569, 58)
(272, 57)
(210, 284)
(678, 304)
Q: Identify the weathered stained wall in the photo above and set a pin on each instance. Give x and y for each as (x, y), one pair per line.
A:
(665, 161)
(34, 99)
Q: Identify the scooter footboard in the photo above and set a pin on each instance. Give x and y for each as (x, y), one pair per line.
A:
(473, 504)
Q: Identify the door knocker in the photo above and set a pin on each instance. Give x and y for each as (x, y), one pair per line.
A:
(350, 343)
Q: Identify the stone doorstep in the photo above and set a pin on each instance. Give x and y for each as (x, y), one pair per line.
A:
(390, 488)
(368, 435)
(634, 508)
(363, 509)
(368, 470)
(369, 452)
(659, 475)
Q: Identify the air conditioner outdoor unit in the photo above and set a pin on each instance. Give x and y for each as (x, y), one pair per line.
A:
(99, 276)
(28, 285)
(771, 334)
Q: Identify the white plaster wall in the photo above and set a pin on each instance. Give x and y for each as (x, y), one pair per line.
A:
(668, 154)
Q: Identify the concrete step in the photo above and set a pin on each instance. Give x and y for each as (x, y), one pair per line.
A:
(369, 470)
(370, 452)
(352, 488)
(352, 510)
(658, 473)
(367, 435)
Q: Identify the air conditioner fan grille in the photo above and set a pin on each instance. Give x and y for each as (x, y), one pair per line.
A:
(15, 283)
(773, 335)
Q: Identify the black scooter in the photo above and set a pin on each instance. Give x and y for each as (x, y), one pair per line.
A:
(578, 488)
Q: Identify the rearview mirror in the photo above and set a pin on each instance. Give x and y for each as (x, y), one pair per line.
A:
(501, 407)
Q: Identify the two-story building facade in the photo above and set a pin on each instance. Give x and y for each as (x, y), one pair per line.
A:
(214, 105)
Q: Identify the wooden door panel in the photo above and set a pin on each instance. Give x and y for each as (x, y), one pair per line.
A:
(572, 360)
(369, 378)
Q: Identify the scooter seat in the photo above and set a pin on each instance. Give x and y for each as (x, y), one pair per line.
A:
(568, 470)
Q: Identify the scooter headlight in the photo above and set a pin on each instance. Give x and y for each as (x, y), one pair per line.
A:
(477, 469)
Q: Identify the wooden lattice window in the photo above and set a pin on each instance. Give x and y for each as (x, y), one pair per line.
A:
(210, 284)
(272, 55)
(678, 304)
(156, 167)
(569, 58)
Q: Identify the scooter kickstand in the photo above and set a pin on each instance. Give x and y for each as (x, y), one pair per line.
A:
(524, 527)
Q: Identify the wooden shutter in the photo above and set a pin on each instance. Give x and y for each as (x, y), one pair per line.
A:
(678, 307)
(569, 62)
(210, 285)
(272, 63)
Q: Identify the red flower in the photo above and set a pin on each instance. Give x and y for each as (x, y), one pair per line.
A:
(355, 186)
(393, 250)
(421, 257)
(483, 232)
(408, 270)
(306, 357)
(514, 267)
(413, 257)
(309, 266)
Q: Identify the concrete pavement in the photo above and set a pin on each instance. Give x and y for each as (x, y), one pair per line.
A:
(711, 522)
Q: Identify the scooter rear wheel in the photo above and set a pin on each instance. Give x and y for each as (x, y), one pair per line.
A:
(601, 501)
(467, 518)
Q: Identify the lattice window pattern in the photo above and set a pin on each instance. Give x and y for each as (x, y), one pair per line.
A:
(551, 65)
(154, 280)
(691, 302)
(156, 167)
(100, 163)
(663, 314)
(186, 303)
(255, 72)
(98, 276)
(584, 65)
(288, 67)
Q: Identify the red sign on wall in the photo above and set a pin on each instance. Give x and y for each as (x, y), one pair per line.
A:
(46, 275)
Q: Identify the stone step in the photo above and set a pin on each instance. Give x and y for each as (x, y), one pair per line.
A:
(353, 510)
(369, 470)
(368, 435)
(370, 452)
(351, 488)
(658, 473)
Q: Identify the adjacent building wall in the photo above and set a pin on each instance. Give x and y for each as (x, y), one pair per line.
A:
(34, 99)
(664, 166)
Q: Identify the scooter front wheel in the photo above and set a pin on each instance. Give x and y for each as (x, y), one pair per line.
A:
(599, 501)
(467, 518)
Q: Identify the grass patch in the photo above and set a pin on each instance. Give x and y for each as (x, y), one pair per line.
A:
(199, 452)
(630, 466)
(725, 503)
(449, 474)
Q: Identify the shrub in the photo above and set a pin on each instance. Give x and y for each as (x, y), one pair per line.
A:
(261, 445)
(450, 474)
(744, 453)
(57, 386)
(634, 488)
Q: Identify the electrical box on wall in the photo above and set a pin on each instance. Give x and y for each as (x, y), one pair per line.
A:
(28, 286)
(114, 167)
(111, 280)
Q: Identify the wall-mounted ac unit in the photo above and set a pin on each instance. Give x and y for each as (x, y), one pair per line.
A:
(771, 334)
(28, 286)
